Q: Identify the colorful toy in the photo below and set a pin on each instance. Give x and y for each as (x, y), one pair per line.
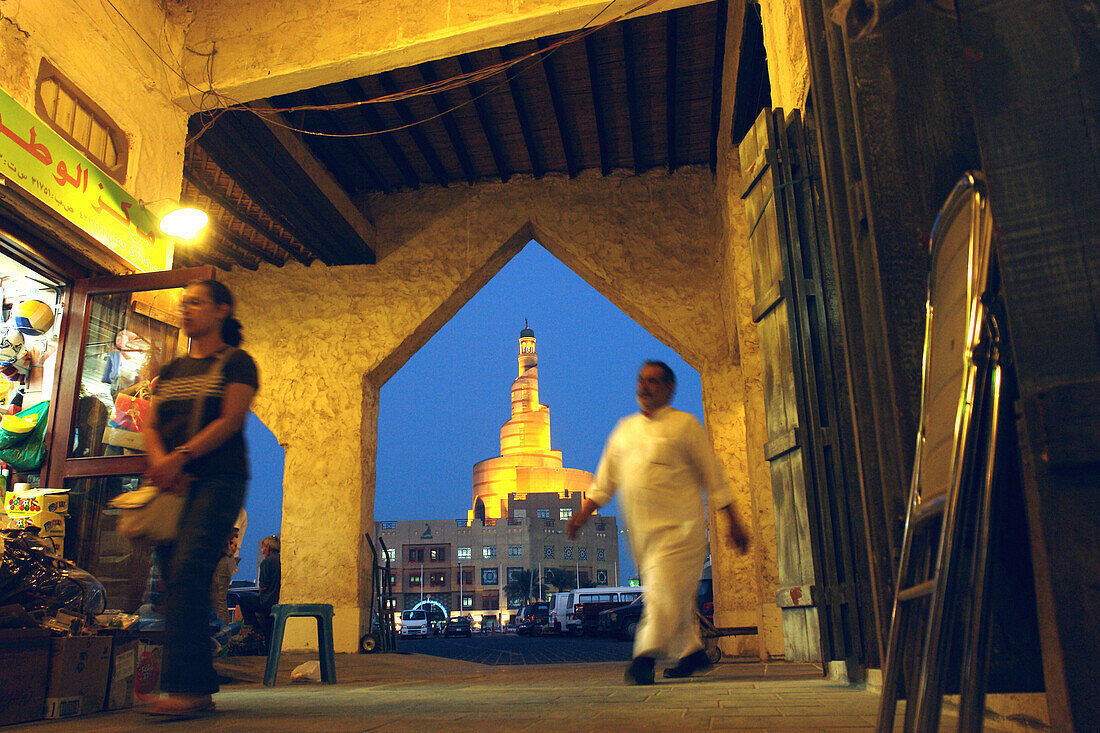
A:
(33, 317)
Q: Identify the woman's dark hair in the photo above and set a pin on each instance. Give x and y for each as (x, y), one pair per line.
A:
(231, 327)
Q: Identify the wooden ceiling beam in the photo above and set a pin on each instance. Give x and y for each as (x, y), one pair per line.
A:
(597, 104)
(375, 124)
(559, 108)
(211, 255)
(442, 108)
(632, 94)
(484, 118)
(244, 217)
(537, 167)
(716, 80)
(241, 243)
(324, 96)
(670, 87)
(419, 138)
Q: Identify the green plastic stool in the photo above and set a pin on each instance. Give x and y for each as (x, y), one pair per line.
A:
(320, 611)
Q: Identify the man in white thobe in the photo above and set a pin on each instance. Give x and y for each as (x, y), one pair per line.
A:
(660, 461)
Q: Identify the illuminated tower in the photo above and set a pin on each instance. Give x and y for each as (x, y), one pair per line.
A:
(526, 464)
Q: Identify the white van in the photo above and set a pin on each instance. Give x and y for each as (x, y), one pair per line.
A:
(415, 623)
(559, 609)
(596, 598)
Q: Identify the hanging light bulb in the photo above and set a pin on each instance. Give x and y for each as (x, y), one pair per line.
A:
(184, 223)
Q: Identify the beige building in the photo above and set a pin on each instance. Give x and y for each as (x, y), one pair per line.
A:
(521, 501)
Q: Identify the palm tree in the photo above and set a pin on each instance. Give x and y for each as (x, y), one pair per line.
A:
(559, 579)
(519, 587)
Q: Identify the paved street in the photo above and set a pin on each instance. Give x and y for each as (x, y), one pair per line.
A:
(513, 649)
(418, 692)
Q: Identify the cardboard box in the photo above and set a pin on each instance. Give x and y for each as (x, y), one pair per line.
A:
(49, 524)
(147, 670)
(120, 688)
(24, 668)
(78, 675)
(32, 501)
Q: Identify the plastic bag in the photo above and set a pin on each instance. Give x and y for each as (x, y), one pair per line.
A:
(306, 672)
(34, 576)
(25, 451)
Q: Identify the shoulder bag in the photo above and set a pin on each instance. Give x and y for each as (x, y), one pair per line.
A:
(149, 512)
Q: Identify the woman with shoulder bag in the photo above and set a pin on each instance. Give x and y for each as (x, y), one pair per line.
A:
(204, 460)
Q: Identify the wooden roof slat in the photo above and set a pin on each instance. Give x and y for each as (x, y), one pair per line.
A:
(632, 93)
(477, 95)
(559, 109)
(722, 10)
(598, 104)
(374, 123)
(241, 243)
(671, 39)
(421, 140)
(216, 239)
(537, 167)
(353, 145)
(233, 210)
(427, 73)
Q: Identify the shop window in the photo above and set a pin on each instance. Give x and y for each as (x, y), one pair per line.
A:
(437, 579)
(515, 550)
(464, 553)
(543, 513)
(489, 576)
(416, 554)
(82, 122)
(489, 551)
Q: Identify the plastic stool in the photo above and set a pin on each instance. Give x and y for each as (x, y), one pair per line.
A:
(320, 611)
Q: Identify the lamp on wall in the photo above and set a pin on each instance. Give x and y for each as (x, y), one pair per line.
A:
(177, 220)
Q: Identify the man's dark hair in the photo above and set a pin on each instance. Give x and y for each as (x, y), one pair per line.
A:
(670, 376)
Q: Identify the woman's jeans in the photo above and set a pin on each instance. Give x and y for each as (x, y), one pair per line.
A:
(212, 506)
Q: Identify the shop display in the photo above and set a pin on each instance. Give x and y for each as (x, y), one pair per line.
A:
(25, 451)
(11, 344)
(33, 317)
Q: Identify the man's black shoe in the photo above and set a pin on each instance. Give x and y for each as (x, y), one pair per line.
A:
(689, 665)
(640, 671)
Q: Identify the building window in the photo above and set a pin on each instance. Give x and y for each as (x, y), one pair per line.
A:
(565, 512)
(467, 576)
(490, 602)
(464, 553)
(393, 580)
(437, 554)
(543, 513)
(519, 513)
(389, 525)
(489, 576)
(437, 579)
(515, 550)
(601, 554)
(467, 601)
(601, 526)
(462, 523)
(415, 579)
(82, 122)
(583, 553)
(489, 551)
(391, 554)
(548, 552)
(568, 553)
(416, 554)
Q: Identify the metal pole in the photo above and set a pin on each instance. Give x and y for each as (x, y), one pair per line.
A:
(421, 583)
(501, 605)
(460, 606)
(541, 594)
(617, 583)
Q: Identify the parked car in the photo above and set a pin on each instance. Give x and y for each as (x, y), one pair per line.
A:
(589, 603)
(415, 623)
(436, 619)
(621, 621)
(458, 626)
(533, 619)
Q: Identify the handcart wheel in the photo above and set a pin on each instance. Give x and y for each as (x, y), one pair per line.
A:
(714, 652)
(368, 644)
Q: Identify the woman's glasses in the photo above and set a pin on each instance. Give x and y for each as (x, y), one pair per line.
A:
(192, 303)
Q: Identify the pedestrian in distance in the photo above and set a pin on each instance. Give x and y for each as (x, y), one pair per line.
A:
(206, 461)
(256, 607)
(659, 461)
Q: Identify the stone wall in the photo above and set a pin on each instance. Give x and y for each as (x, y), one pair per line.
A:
(327, 339)
(105, 58)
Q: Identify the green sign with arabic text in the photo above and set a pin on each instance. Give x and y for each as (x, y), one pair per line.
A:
(44, 164)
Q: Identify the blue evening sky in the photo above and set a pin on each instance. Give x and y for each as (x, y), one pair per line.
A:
(442, 412)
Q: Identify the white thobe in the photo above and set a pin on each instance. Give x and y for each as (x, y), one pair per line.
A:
(659, 466)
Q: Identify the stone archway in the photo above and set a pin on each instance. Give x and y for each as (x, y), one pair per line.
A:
(327, 339)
